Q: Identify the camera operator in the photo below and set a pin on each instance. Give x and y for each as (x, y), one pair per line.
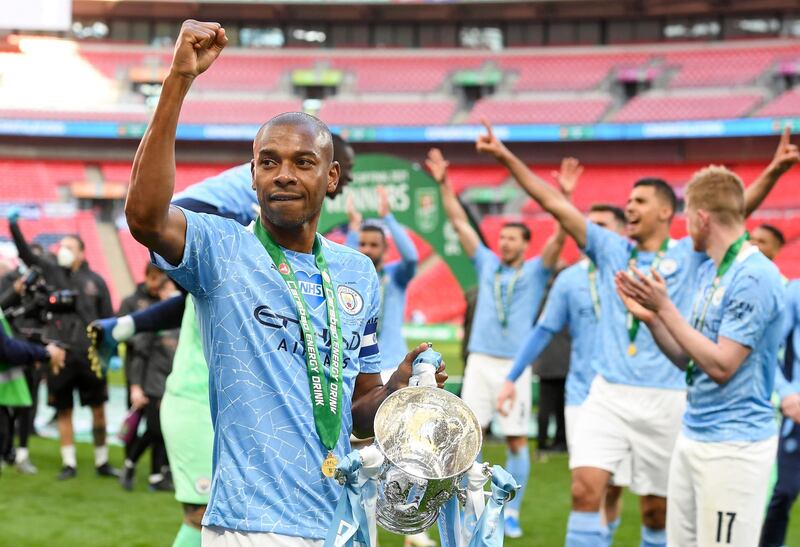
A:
(75, 297)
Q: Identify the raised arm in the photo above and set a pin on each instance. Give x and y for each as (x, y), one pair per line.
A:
(354, 219)
(147, 207)
(786, 156)
(405, 245)
(567, 178)
(469, 238)
(550, 199)
(23, 248)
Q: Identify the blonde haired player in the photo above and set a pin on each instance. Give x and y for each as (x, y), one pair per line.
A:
(728, 348)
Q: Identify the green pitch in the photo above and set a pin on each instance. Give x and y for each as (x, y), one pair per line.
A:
(93, 512)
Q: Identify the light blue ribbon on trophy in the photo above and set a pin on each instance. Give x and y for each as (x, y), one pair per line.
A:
(491, 525)
(481, 524)
(354, 518)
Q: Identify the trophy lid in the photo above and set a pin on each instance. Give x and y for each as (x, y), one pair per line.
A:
(427, 432)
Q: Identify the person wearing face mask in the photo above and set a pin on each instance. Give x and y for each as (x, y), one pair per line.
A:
(70, 272)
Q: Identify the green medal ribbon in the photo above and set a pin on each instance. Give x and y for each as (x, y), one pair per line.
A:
(593, 289)
(632, 322)
(700, 320)
(503, 305)
(326, 396)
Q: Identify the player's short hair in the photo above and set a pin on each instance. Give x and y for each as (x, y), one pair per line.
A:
(370, 227)
(152, 268)
(619, 214)
(301, 118)
(526, 232)
(662, 190)
(719, 191)
(776, 233)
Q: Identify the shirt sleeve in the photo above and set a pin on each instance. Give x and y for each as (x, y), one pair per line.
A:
(483, 258)
(556, 309)
(409, 257)
(19, 352)
(352, 239)
(605, 248)
(749, 310)
(537, 340)
(369, 355)
(782, 386)
(210, 248)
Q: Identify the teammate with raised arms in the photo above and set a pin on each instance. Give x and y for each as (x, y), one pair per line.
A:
(635, 404)
(510, 291)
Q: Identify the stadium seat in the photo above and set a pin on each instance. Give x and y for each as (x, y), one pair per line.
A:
(521, 111)
(649, 108)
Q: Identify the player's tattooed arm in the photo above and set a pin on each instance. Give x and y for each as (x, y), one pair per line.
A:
(147, 208)
(785, 157)
(370, 392)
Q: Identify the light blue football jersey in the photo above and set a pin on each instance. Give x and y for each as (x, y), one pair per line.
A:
(791, 328)
(231, 192)
(746, 308)
(267, 453)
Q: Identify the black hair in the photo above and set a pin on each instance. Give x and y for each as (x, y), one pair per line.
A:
(775, 232)
(526, 232)
(368, 227)
(150, 268)
(662, 188)
(619, 214)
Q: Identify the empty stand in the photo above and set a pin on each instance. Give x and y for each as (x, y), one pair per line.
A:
(722, 67)
(136, 255)
(575, 72)
(393, 73)
(687, 107)
(436, 294)
(554, 111)
(342, 112)
(235, 111)
(788, 104)
(27, 181)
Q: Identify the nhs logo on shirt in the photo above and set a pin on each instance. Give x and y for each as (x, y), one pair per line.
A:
(311, 288)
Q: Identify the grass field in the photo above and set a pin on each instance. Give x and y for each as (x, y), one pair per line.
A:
(93, 512)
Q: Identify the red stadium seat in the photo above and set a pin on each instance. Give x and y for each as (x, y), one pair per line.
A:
(521, 111)
(648, 108)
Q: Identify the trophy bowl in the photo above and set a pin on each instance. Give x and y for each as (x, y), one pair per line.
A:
(429, 439)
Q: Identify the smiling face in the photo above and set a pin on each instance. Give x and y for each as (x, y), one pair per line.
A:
(293, 170)
(512, 244)
(645, 212)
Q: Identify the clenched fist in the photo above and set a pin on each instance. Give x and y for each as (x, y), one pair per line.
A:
(198, 45)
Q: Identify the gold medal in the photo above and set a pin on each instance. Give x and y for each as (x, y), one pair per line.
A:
(329, 465)
(632, 349)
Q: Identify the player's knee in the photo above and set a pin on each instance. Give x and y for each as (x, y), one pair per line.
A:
(654, 512)
(586, 493)
(193, 514)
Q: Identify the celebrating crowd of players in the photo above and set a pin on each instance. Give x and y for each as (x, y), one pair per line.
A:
(289, 342)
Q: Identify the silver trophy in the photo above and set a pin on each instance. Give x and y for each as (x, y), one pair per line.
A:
(429, 439)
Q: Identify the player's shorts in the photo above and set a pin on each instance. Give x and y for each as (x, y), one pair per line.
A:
(77, 374)
(717, 492)
(214, 536)
(483, 379)
(572, 415)
(189, 438)
(621, 421)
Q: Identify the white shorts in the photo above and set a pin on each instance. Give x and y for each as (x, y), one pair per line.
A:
(482, 382)
(214, 536)
(621, 421)
(718, 491)
(572, 415)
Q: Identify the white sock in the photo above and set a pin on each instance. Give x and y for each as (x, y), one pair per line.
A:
(155, 478)
(124, 329)
(22, 455)
(68, 456)
(129, 464)
(100, 455)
